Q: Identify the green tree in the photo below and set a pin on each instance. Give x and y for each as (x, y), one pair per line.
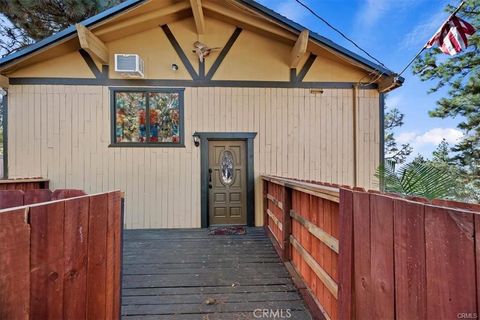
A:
(23, 22)
(416, 178)
(466, 187)
(393, 151)
(461, 75)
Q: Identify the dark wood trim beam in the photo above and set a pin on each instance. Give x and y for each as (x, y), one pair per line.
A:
(91, 64)
(188, 83)
(381, 110)
(201, 69)
(5, 135)
(223, 53)
(181, 54)
(293, 74)
(306, 67)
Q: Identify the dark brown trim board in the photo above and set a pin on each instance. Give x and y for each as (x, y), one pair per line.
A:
(181, 54)
(187, 83)
(91, 64)
(5, 135)
(381, 110)
(233, 38)
(306, 67)
(205, 137)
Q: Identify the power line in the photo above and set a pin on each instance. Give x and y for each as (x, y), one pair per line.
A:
(339, 32)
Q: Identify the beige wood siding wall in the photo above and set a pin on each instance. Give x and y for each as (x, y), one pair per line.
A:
(63, 133)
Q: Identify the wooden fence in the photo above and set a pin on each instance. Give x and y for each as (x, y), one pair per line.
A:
(16, 198)
(62, 259)
(408, 259)
(366, 255)
(24, 184)
(302, 219)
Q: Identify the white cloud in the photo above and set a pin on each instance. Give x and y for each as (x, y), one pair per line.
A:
(373, 10)
(290, 9)
(421, 33)
(431, 137)
(394, 100)
(406, 137)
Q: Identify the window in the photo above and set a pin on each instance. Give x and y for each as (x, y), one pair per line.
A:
(147, 117)
(226, 167)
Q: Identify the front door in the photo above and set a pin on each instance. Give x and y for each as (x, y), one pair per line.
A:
(227, 182)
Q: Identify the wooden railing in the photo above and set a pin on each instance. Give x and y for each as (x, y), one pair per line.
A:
(62, 259)
(366, 255)
(302, 219)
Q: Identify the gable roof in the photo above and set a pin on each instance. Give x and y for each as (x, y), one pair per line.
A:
(71, 31)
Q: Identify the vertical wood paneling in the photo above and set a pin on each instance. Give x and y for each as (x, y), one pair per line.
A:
(299, 134)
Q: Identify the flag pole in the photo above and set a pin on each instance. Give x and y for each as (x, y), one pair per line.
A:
(456, 10)
(425, 46)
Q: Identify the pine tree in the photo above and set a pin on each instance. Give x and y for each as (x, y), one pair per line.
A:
(441, 153)
(461, 74)
(466, 187)
(393, 151)
(23, 22)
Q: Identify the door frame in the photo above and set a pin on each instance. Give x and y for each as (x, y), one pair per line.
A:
(205, 137)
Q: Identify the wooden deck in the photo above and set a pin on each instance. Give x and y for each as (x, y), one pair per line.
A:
(188, 274)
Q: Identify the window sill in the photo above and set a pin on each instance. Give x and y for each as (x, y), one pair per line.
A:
(146, 145)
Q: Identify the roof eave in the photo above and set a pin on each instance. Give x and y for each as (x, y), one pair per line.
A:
(315, 36)
(71, 31)
(67, 33)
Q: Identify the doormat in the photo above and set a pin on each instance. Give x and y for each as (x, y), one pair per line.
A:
(222, 231)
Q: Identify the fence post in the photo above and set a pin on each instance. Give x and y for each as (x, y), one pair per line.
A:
(346, 309)
(287, 223)
(265, 204)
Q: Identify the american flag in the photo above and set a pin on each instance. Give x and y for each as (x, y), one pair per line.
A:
(451, 38)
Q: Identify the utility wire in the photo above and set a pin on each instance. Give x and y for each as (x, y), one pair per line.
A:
(339, 32)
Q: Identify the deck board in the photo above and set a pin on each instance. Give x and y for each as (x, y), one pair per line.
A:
(170, 274)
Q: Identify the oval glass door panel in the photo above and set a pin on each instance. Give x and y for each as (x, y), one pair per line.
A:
(226, 167)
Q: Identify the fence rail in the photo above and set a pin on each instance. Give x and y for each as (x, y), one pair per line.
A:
(363, 255)
(24, 184)
(62, 259)
(16, 198)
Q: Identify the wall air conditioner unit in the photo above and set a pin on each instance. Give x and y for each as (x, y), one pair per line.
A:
(129, 65)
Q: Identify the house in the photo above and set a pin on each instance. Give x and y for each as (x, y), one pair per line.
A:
(184, 104)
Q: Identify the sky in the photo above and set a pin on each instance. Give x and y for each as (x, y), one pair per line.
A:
(393, 31)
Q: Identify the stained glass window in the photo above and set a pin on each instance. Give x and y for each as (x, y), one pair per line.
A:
(164, 117)
(149, 117)
(226, 167)
(130, 117)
